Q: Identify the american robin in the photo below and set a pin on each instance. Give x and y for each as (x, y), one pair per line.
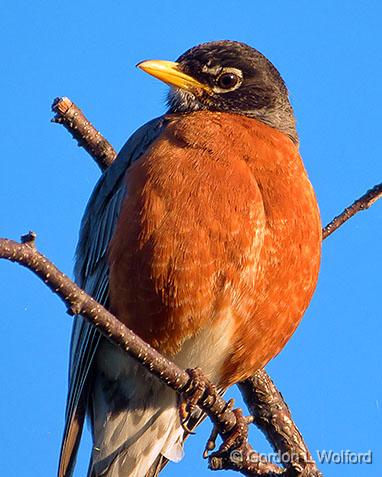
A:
(204, 238)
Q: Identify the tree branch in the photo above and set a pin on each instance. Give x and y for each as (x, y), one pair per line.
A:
(72, 118)
(272, 415)
(363, 203)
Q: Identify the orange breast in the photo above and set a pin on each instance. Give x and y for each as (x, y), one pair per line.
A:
(219, 215)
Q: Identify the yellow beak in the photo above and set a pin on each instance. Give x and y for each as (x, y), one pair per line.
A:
(169, 72)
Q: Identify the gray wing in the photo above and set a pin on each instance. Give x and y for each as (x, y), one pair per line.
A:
(91, 274)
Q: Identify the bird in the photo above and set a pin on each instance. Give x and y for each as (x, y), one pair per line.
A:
(204, 238)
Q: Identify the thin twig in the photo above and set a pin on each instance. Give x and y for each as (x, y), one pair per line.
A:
(70, 116)
(363, 203)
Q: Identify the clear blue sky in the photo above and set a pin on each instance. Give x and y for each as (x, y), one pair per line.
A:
(329, 53)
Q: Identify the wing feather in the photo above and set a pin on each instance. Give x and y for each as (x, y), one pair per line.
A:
(91, 274)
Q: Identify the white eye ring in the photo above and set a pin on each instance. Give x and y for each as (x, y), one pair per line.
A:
(228, 80)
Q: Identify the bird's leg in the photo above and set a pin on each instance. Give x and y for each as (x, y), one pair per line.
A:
(197, 391)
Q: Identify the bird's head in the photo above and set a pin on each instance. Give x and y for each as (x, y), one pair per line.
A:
(226, 76)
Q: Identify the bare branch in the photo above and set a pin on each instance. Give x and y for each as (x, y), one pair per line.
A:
(362, 203)
(70, 116)
(272, 415)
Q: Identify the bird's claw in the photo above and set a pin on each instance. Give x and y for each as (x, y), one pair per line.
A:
(198, 389)
(211, 442)
(197, 392)
(233, 440)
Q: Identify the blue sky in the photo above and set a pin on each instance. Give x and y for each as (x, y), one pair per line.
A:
(329, 54)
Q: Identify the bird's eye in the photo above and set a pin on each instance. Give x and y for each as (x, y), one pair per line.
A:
(228, 80)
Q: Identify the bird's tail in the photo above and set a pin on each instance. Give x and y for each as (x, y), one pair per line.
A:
(135, 424)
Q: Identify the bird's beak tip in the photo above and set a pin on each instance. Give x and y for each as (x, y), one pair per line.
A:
(170, 73)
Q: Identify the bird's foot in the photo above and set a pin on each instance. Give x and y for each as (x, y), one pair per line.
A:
(198, 389)
(211, 443)
(233, 440)
(201, 391)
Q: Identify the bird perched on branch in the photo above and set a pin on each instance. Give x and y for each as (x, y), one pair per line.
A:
(204, 238)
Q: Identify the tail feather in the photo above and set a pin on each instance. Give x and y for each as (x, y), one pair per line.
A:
(193, 422)
(134, 416)
(71, 442)
(135, 421)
